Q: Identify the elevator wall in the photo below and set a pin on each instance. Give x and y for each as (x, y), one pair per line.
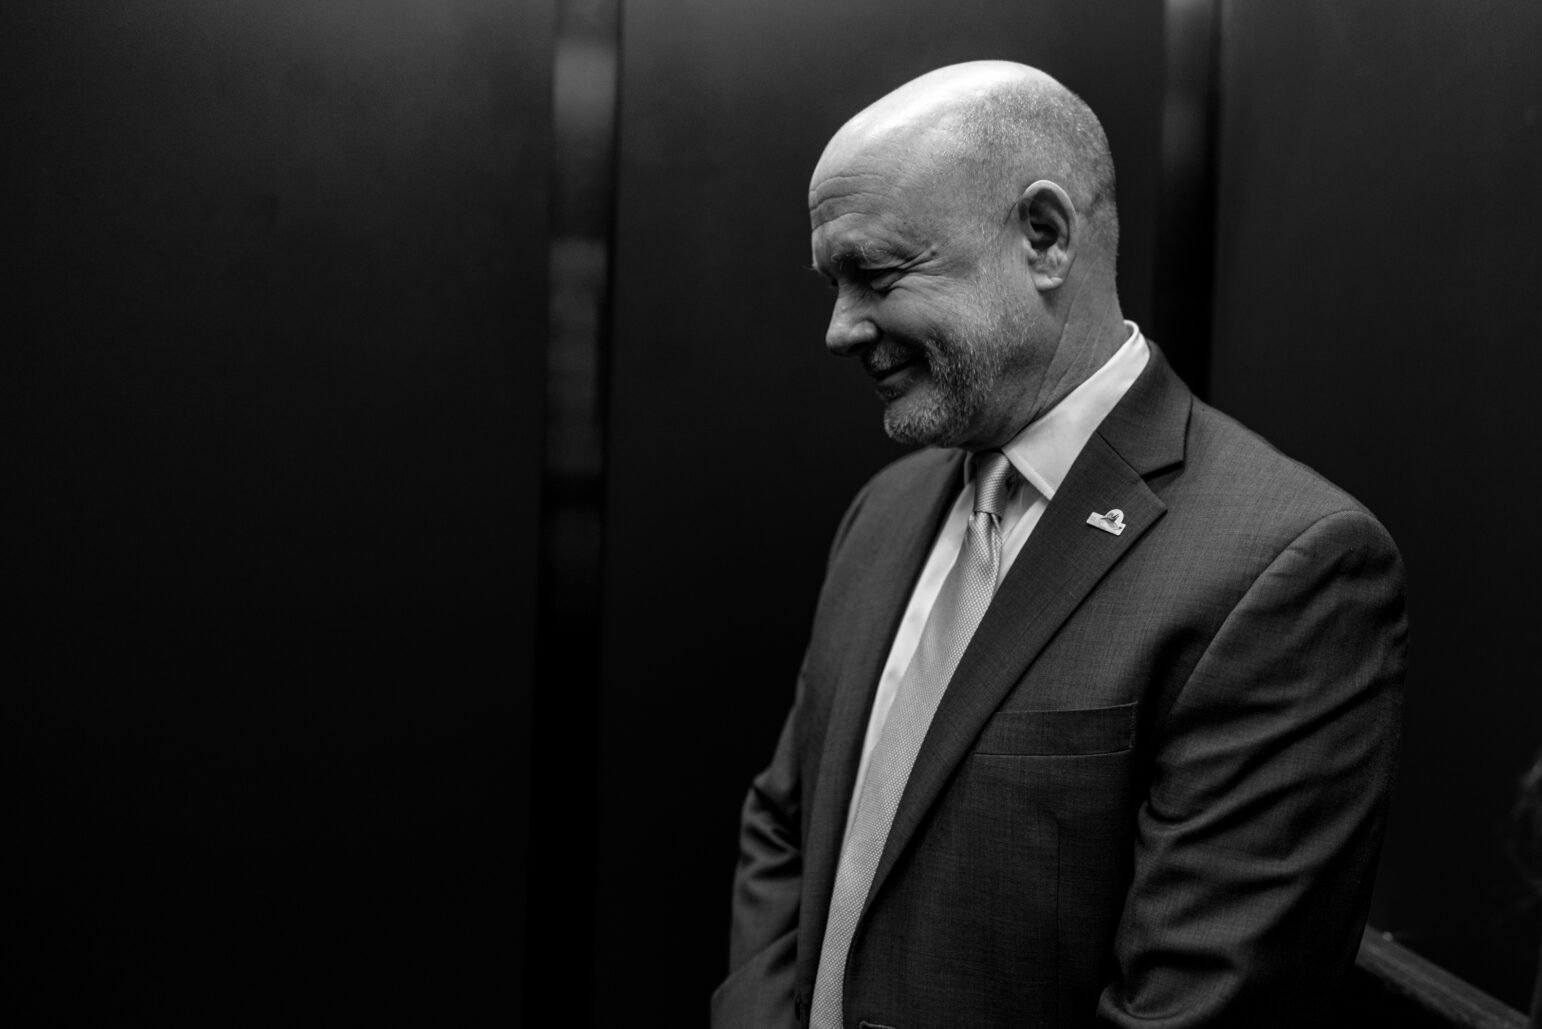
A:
(1378, 263)
(273, 319)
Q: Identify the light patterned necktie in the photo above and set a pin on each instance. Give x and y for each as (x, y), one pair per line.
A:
(966, 593)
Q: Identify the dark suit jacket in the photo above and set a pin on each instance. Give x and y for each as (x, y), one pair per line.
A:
(1155, 788)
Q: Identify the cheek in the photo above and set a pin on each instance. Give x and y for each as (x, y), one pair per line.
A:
(902, 320)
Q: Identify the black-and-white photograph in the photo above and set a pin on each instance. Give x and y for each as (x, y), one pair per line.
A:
(844, 515)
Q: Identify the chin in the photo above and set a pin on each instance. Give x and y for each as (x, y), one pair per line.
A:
(923, 420)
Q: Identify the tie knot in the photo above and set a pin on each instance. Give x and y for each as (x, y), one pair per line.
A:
(992, 478)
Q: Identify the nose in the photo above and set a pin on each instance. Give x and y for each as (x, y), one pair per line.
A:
(851, 327)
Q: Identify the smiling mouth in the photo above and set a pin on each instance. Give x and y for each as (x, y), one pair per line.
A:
(893, 381)
(886, 372)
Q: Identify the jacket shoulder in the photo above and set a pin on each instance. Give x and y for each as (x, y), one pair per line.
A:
(915, 467)
(897, 487)
(1235, 489)
(1232, 464)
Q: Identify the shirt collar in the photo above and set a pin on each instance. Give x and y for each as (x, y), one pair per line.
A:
(1044, 451)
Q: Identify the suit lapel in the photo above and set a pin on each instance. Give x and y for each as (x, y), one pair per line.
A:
(879, 567)
(1059, 565)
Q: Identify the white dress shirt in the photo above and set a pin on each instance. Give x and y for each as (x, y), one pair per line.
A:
(1042, 454)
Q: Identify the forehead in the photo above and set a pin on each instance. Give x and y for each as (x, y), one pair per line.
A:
(861, 211)
(906, 187)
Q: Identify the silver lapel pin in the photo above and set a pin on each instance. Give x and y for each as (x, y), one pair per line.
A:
(1112, 522)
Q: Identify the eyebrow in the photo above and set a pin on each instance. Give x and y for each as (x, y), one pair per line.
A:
(862, 255)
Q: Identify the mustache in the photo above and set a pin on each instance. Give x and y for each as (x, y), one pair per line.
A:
(886, 357)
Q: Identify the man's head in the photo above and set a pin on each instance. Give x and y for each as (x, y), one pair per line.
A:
(968, 223)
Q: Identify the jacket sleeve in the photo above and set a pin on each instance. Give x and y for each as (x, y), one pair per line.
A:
(762, 958)
(768, 885)
(1257, 841)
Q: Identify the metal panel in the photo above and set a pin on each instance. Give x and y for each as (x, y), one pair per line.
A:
(1185, 274)
(273, 357)
(564, 748)
(1377, 270)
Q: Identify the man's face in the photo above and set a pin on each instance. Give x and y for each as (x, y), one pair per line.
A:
(927, 298)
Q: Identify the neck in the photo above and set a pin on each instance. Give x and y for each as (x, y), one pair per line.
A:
(1088, 338)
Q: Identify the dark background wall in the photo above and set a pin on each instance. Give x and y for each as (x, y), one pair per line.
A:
(273, 323)
(1376, 315)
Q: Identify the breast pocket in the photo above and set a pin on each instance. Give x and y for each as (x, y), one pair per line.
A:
(1097, 730)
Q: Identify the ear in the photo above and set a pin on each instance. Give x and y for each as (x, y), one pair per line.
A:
(1046, 218)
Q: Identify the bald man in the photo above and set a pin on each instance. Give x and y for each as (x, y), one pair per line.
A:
(1099, 712)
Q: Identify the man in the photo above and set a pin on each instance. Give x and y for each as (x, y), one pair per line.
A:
(1099, 712)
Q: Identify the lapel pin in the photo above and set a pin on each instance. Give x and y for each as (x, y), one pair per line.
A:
(1112, 522)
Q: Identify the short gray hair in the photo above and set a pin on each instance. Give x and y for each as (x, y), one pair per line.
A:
(1018, 132)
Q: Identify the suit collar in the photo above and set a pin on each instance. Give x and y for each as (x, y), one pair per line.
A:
(1149, 426)
(1044, 451)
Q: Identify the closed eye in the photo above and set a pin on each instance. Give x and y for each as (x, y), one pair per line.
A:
(875, 280)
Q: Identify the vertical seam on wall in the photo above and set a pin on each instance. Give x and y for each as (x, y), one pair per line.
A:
(1185, 270)
(564, 744)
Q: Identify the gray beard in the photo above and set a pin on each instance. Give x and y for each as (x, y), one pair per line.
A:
(961, 383)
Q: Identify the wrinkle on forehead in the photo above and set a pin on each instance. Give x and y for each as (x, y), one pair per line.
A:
(914, 204)
(839, 205)
(864, 241)
(866, 178)
(850, 186)
(880, 155)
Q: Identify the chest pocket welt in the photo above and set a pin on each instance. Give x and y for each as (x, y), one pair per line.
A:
(1096, 730)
